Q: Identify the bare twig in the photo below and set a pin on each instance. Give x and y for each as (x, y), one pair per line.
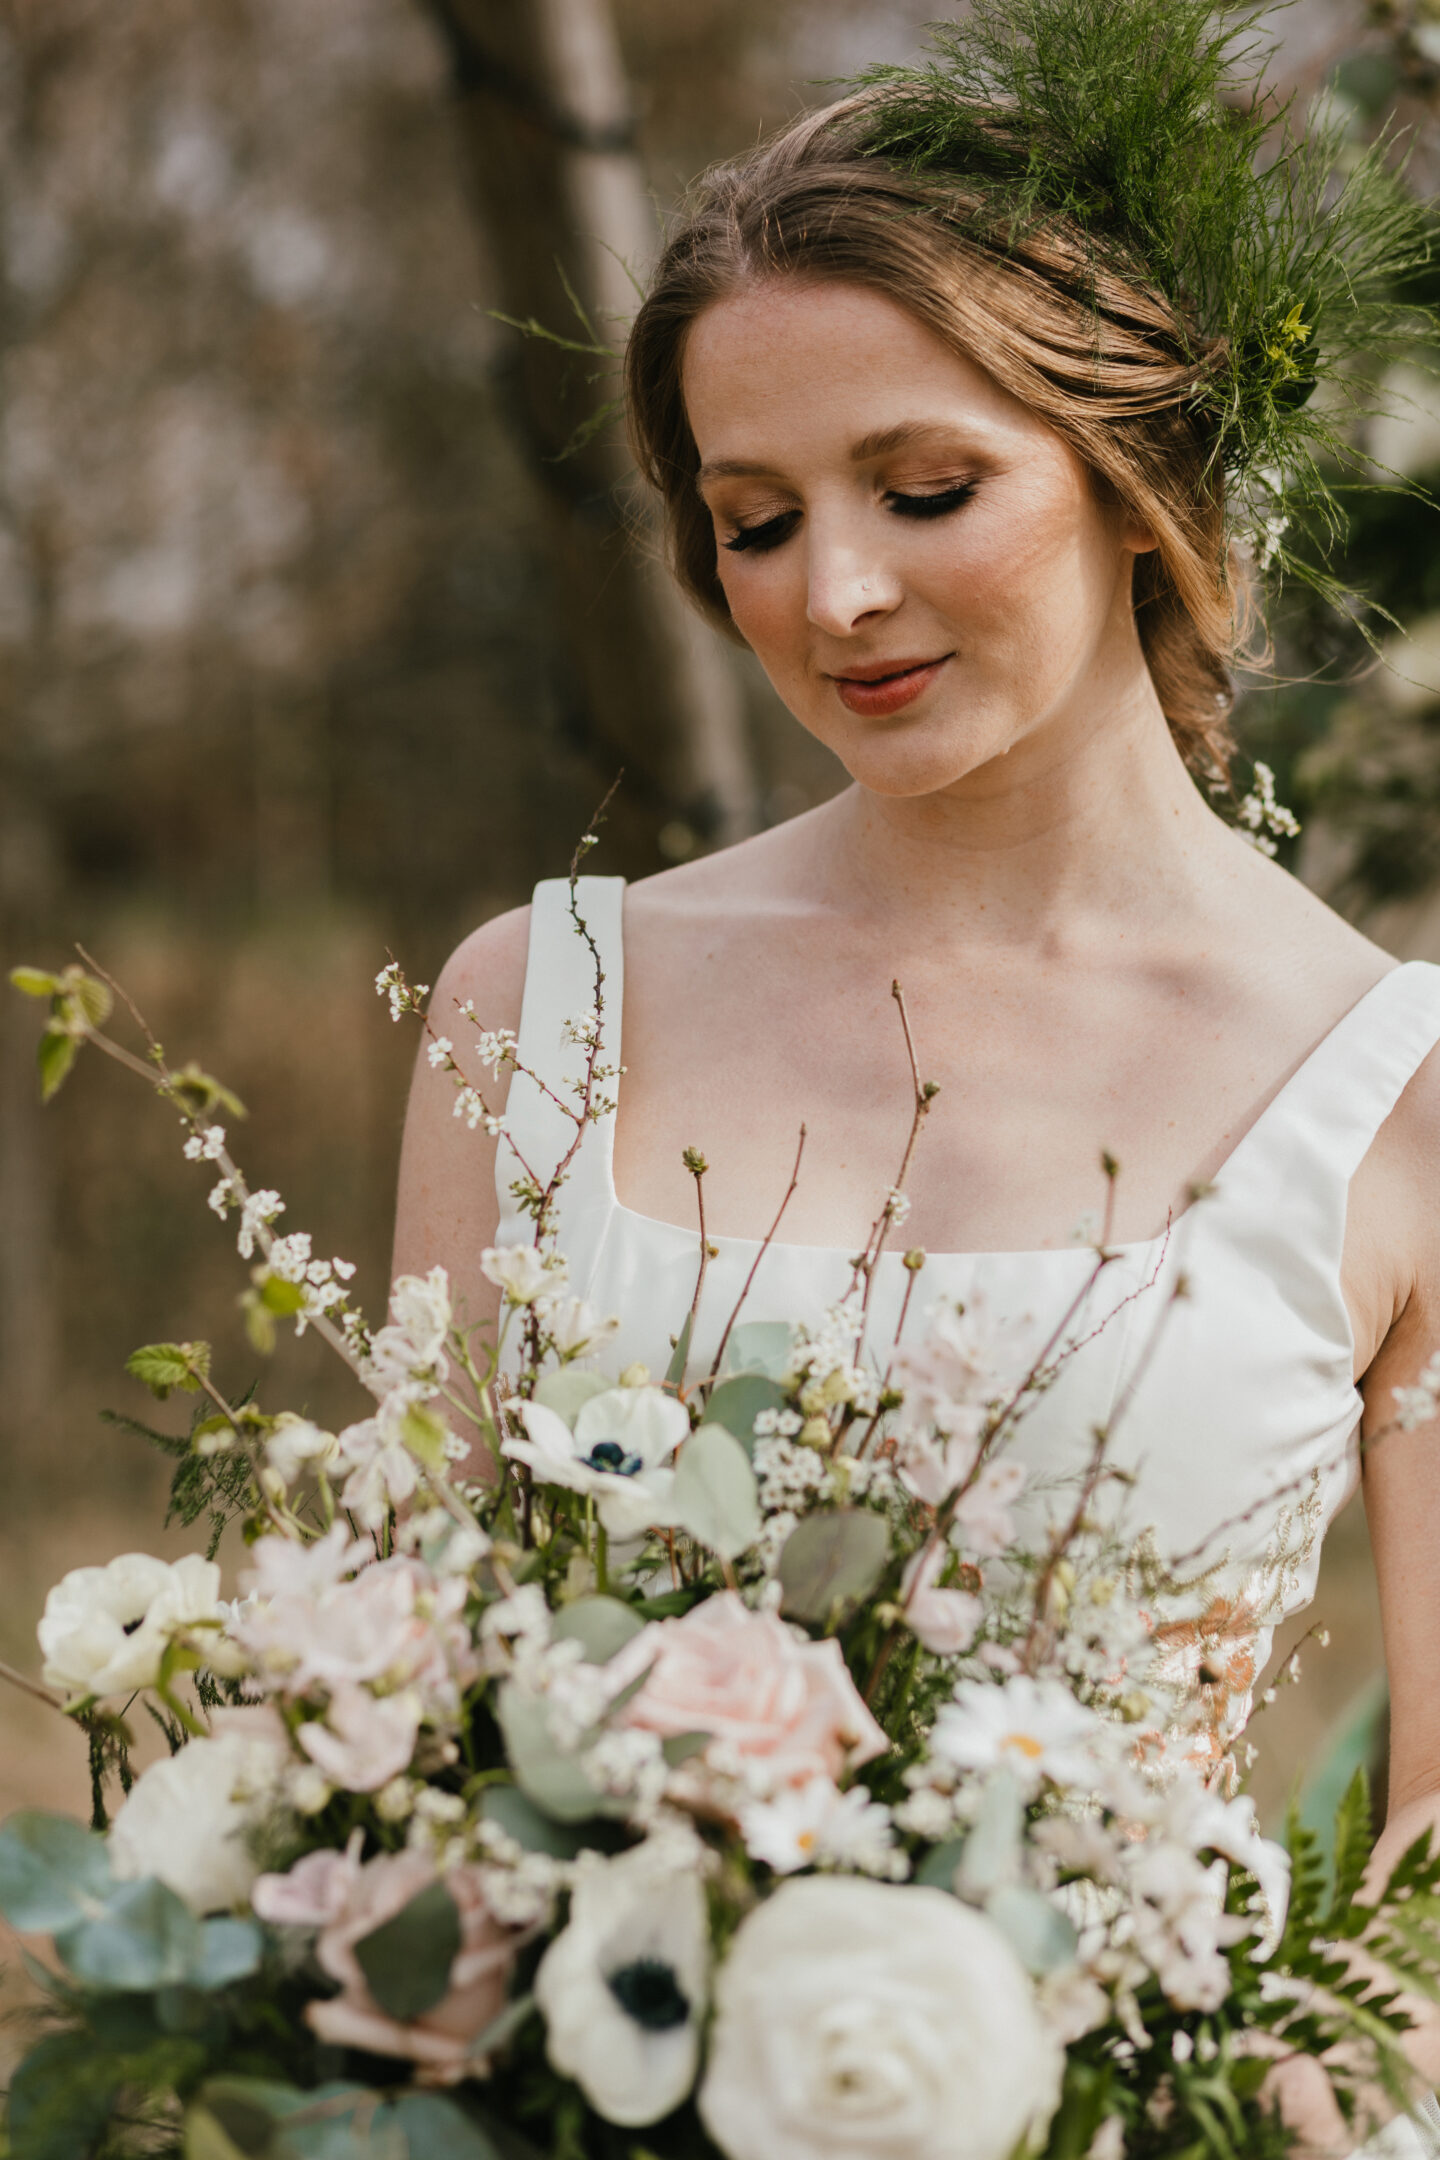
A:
(696, 1164)
(767, 1242)
(925, 1092)
(29, 1687)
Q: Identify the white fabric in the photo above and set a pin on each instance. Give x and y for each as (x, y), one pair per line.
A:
(1242, 1435)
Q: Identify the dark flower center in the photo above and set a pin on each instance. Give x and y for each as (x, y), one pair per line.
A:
(609, 1455)
(649, 1992)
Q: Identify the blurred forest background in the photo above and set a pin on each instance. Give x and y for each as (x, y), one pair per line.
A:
(312, 651)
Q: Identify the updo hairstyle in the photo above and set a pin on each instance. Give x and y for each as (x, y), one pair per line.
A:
(1100, 355)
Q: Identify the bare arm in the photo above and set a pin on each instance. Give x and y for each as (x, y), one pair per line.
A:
(448, 1210)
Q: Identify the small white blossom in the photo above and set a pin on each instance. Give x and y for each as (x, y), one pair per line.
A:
(206, 1146)
(260, 1208)
(1418, 1404)
(222, 1197)
(439, 1051)
(493, 1046)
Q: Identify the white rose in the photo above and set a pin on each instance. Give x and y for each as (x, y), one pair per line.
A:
(623, 1988)
(187, 1817)
(874, 2020)
(104, 1629)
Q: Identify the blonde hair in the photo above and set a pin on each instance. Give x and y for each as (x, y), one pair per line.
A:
(1101, 356)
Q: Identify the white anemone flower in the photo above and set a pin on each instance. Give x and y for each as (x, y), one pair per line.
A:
(623, 1988)
(619, 1451)
(524, 1274)
(1033, 1728)
(188, 1818)
(885, 2023)
(105, 1629)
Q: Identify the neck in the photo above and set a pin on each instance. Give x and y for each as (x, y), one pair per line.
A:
(1078, 821)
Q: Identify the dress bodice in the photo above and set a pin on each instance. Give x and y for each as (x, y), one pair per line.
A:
(1220, 1354)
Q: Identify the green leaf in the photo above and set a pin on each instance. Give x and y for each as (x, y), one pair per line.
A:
(554, 1781)
(1354, 1842)
(265, 2119)
(519, 1818)
(163, 1366)
(680, 1357)
(229, 1950)
(55, 1054)
(92, 996)
(682, 1745)
(601, 1625)
(52, 1872)
(830, 1562)
(60, 2099)
(1039, 1934)
(937, 1870)
(281, 1297)
(715, 1496)
(34, 982)
(759, 1346)
(991, 1859)
(434, 2129)
(406, 1961)
(206, 2139)
(737, 1403)
(145, 1938)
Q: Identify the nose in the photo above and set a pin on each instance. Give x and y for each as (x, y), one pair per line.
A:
(847, 586)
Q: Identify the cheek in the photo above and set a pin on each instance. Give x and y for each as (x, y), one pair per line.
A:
(767, 606)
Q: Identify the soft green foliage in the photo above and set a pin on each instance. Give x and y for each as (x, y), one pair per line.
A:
(163, 1366)
(715, 1492)
(1147, 126)
(830, 1562)
(406, 1960)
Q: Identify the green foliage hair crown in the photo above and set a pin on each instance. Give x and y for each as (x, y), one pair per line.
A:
(1143, 123)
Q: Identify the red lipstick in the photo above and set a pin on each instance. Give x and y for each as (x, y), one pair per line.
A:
(885, 686)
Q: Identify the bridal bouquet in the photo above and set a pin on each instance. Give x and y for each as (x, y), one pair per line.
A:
(633, 1766)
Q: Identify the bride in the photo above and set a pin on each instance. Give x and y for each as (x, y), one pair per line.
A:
(963, 501)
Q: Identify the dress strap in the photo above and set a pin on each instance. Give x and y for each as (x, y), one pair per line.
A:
(561, 989)
(1284, 1190)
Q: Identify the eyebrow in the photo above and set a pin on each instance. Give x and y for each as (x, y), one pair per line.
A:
(881, 442)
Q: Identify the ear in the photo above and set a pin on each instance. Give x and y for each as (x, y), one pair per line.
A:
(1137, 536)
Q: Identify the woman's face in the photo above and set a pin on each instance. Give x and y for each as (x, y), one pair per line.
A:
(918, 560)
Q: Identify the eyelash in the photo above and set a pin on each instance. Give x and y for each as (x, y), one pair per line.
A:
(775, 531)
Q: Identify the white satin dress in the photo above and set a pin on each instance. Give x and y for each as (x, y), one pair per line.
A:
(1241, 1428)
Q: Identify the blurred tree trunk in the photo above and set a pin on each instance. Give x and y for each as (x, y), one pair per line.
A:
(548, 134)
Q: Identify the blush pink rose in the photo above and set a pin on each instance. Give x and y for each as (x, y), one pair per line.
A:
(439, 2042)
(364, 1740)
(780, 1703)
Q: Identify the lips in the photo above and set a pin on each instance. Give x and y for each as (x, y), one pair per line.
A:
(884, 686)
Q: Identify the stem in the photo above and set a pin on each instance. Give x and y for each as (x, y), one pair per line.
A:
(767, 1242)
(695, 1163)
(602, 1558)
(925, 1092)
(30, 1687)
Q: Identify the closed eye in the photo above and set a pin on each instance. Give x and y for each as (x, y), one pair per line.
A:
(930, 506)
(768, 534)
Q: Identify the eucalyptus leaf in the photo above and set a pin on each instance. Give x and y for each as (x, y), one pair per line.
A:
(937, 1870)
(1037, 1931)
(714, 1492)
(519, 1817)
(830, 1562)
(229, 1950)
(145, 1938)
(52, 1872)
(567, 1391)
(601, 1625)
(435, 2129)
(265, 2119)
(206, 2139)
(759, 1346)
(737, 1403)
(407, 1959)
(991, 1859)
(553, 1780)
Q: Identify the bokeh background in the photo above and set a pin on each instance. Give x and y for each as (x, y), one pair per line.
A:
(313, 649)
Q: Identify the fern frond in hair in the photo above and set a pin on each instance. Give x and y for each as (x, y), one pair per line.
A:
(1144, 125)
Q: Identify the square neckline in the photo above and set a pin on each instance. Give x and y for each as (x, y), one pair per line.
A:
(1292, 1085)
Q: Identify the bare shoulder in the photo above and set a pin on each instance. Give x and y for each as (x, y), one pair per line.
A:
(487, 969)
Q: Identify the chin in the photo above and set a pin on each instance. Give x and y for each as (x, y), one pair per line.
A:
(924, 763)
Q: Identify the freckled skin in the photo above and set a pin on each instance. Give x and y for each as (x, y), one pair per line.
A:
(1091, 958)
